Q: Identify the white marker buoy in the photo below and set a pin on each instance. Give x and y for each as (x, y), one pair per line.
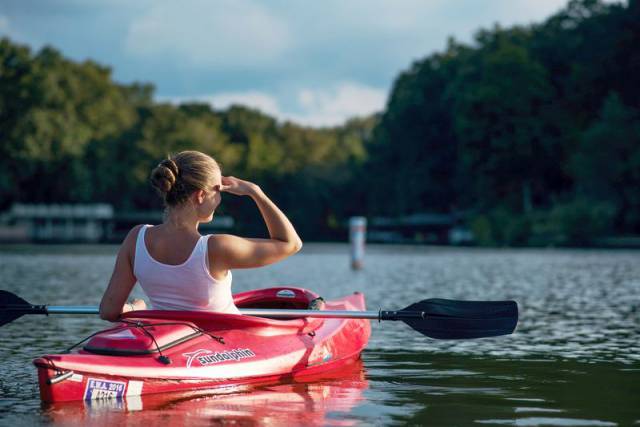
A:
(357, 238)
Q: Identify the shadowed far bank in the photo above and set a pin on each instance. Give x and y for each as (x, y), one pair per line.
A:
(100, 223)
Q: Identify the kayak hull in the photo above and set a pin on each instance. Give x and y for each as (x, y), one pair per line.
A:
(312, 400)
(151, 352)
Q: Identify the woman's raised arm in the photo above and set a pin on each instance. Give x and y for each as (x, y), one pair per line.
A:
(228, 252)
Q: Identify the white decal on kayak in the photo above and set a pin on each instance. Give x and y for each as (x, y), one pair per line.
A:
(103, 389)
(76, 378)
(286, 293)
(208, 357)
(134, 388)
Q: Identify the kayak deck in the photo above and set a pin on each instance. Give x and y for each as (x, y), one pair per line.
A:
(168, 351)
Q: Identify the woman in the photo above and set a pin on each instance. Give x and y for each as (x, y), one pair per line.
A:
(177, 268)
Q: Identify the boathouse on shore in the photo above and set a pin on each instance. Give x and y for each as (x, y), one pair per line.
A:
(80, 223)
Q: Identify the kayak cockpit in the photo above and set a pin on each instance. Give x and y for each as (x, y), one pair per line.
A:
(271, 298)
(288, 298)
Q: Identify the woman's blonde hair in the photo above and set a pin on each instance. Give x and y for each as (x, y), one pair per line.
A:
(178, 176)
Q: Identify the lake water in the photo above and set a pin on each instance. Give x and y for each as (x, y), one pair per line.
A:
(573, 361)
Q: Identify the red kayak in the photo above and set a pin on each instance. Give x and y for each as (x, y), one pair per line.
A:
(154, 351)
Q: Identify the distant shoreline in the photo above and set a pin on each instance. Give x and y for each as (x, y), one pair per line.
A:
(606, 243)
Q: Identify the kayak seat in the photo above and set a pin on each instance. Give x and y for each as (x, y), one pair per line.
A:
(290, 298)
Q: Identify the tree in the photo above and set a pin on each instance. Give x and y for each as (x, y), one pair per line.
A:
(606, 165)
(500, 97)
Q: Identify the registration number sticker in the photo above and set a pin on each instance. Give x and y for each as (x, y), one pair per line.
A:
(103, 389)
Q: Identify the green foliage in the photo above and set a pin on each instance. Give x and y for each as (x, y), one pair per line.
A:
(482, 231)
(519, 120)
(606, 164)
(501, 227)
(499, 122)
(51, 109)
(70, 134)
(577, 223)
(413, 155)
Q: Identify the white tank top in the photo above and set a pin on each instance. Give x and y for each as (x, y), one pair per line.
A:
(187, 286)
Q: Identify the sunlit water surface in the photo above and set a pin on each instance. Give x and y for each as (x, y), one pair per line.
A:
(573, 361)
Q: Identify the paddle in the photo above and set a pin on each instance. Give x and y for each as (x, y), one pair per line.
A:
(435, 318)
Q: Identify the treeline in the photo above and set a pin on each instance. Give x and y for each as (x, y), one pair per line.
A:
(71, 135)
(532, 133)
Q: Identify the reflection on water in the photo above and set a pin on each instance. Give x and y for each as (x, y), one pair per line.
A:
(574, 361)
(315, 401)
(394, 388)
(463, 390)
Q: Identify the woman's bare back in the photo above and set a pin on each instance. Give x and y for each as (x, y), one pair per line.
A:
(170, 246)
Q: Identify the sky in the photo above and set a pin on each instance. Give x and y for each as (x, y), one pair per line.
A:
(317, 63)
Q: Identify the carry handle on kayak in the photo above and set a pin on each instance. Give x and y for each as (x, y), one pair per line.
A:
(435, 317)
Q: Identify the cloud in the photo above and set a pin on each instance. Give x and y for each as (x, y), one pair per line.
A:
(8, 30)
(254, 99)
(313, 107)
(419, 17)
(225, 33)
(210, 46)
(526, 12)
(4, 25)
(338, 104)
(260, 101)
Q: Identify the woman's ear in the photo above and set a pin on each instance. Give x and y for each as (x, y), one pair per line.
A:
(200, 195)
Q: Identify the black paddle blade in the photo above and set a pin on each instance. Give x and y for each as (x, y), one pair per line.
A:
(13, 307)
(450, 319)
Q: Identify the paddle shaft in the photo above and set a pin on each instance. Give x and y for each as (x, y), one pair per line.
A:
(263, 312)
(435, 317)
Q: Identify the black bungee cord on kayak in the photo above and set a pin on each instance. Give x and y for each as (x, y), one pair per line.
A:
(192, 326)
(162, 358)
(115, 328)
(143, 326)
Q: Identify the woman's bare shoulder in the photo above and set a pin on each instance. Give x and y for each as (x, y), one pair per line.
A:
(221, 245)
(133, 233)
(218, 242)
(129, 242)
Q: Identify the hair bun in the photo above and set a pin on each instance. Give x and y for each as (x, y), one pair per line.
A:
(171, 165)
(164, 176)
(197, 171)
